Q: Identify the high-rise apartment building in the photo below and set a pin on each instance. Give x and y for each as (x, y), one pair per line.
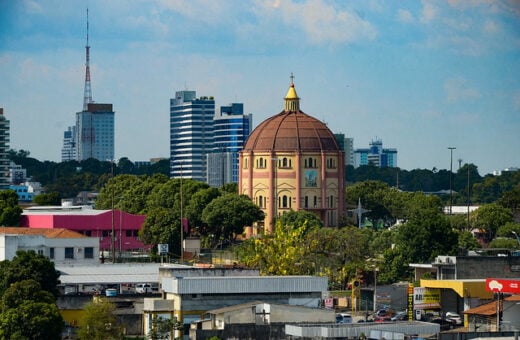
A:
(230, 131)
(68, 151)
(347, 145)
(191, 134)
(376, 155)
(95, 132)
(4, 148)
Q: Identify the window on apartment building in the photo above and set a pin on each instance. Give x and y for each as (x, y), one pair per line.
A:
(51, 253)
(40, 251)
(128, 233)
(69, 252)
(89, 252)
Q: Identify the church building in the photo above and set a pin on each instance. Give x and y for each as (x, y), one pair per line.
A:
(292, 161)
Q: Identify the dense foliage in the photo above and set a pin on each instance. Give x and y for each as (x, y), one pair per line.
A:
(10, 212)
(99, 321)
(28, 298)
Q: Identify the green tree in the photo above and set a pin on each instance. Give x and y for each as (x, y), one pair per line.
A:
(51, 198)
(28, 312)
(295, 218)
(10, 212)
(511, 199)
(227, 215)
(502, 242)
(163, 209)
(467, 241)
(162, 328)
(508, 230)
(371, 194)
(425, 235)
(31, 320)
(491, 217)
(196, 205)
(279, 253)
(28, 265)
(99, 321)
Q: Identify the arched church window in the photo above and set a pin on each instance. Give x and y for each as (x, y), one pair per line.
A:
(284, 201)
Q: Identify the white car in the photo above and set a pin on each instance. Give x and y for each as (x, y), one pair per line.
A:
(454, 317)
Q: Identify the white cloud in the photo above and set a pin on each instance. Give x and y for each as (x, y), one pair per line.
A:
(491, 27)
(321, 22)
(404, 15)
(32, 6)
(429, 12)
(457, 89)
(209, 12)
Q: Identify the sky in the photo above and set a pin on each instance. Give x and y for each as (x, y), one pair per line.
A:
(421, 76)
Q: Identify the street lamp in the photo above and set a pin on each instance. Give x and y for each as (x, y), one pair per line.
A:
(451, 148)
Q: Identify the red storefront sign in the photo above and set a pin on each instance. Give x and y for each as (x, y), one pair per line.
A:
(503, 286)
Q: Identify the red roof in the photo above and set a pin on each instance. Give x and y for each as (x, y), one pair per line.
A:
(291, 131)
(47, 232)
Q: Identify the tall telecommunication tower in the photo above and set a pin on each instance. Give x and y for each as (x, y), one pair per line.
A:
(87, 95)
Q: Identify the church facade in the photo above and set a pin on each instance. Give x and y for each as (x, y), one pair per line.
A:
(292, 161)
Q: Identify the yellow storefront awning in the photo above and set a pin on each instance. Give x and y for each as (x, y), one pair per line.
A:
(464, 288)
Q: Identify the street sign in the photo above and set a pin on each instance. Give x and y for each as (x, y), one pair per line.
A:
(163, 248)
(503, 286)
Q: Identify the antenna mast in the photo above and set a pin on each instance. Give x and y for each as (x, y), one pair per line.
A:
(87, 95)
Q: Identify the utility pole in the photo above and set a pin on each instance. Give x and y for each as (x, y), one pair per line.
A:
(451, 148)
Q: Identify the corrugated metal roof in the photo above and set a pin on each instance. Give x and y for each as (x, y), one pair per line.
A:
(89, 212)
(109, 273)
(243, 285)
(355, 330)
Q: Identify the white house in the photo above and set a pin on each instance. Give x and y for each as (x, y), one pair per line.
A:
(59, 245)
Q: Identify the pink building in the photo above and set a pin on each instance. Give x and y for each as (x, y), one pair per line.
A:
(90, 222)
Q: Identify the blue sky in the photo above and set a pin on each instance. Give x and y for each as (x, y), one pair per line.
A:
(420, 75)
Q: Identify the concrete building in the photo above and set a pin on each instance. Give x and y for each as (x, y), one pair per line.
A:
(194, 296)
(231, 129)
(347, 145)
(256, 320)
(68, 150)
(59, 245)
(101, 224)
(4, 148)
(95, 132)
(483, 318)
(292, 161)
(191, 135)
(461, 280)
(375, 155)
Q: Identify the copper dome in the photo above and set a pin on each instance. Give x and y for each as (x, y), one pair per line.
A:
(291, 131)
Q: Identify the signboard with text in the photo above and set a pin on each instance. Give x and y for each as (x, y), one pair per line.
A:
(425, 298)
(503, 286)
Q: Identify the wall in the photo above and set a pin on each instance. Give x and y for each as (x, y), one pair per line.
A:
(242, 331)
(481, 267)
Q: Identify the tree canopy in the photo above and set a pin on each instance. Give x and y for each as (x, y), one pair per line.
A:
(28, 298)
(99, 321)
(29, 265)
(227, 215)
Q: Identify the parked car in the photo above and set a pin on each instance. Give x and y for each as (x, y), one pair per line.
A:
(401, 316)
(143, 288)
(454, 317)
(343, 318)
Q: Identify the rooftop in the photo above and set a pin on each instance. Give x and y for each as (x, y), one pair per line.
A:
(49, 233)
